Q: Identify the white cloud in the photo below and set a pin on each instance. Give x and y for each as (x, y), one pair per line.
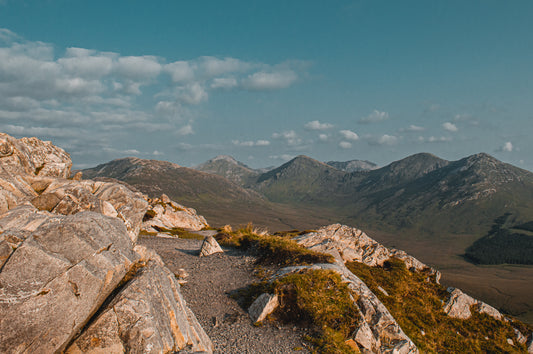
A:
(323, 137)
(262, 80)
(81, 63)
(138, 67)
(316, 125)
(185, 130)
(289, 136)
(345, 144)
(449, 127)
(251, 143)
(224, 83)
(434, 139)
(385, 139)
(413, 128)
(211, 66)
(349, 135)
(507, 147)
(180, 71)
(375, 116)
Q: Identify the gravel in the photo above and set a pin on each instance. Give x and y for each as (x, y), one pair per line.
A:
(211, 280)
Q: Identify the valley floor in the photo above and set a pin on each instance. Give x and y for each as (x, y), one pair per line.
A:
(211, 280)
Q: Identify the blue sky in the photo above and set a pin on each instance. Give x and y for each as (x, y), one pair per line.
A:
(265, 81)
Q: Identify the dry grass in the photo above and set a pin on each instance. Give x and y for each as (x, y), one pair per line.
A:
(271, 249)
(417, 306)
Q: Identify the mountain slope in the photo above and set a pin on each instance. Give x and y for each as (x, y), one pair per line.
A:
(353, 165)
(220, 200)
(229, 168)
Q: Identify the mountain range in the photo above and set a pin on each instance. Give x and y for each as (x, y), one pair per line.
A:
(433, 208)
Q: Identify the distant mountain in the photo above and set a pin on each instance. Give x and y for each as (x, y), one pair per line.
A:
(353, 165)
(219, 199)
(229, 168)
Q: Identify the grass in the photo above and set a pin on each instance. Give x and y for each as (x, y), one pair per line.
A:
(271, 249)
(316, 299)
(417, 306)
(319, 300)
(180, 232)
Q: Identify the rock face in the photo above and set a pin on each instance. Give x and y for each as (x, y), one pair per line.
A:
(263, 306)
(378, 332)
(167, 214)
(349, 244)
(71, 277)
(210, 246)
(460, 305)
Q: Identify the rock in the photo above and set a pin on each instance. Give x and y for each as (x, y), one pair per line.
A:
(263, 306)
(78, 176)
(355, 246)
(149, 315)
(33, 157)
(510, 341)
(520, 338)
(460, 305)
(167, 214)
(46, 201)
(209, 247)
(529, 343)
(378, 330)
(58, 278)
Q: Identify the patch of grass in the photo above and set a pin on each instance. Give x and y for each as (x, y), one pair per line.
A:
(147, 233)
(417, 306)
(319, 300)
(271, 249)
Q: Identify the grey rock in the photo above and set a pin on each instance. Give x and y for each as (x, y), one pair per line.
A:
(460, 305)
(210, 246)
(168, 214)
(263, 306)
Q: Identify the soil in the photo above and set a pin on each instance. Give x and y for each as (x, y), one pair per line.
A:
(210, 282)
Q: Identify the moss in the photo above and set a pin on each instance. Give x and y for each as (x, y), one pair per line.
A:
(417, 306)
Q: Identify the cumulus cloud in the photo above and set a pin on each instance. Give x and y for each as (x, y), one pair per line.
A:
(449, 127)
(179, 71)
(412, 128)
(283, 157)
(384, 139)
(316, 125)
(345, 144)
(138, 67)
(289, 136)
(262, 80)
(212, 66)
(250, 143)
(185, 130)
(323, 137)
(224, 83)
(507, 147)
(434, 139)
(374, 117)
(349, 135)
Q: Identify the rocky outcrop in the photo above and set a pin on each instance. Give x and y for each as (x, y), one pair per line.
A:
(210, 246)
(460, 305)
(167, 214)
(349, 244)
(71, 277)
(148, 315)
(378, 331)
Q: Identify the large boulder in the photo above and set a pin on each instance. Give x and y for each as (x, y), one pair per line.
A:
(167, 214)
(148, 315)
(57, 279)
(461, 305)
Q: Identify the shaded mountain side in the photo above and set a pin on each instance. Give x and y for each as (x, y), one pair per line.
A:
(229, 168)
(221, 201)
(353, 165)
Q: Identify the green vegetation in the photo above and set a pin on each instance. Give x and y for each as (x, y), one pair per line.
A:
(271, 249)
(417, 306)
(501, 245)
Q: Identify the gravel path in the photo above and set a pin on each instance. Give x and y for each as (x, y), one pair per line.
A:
(211, 280)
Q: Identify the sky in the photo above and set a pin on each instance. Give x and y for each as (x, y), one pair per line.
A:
(265, 81)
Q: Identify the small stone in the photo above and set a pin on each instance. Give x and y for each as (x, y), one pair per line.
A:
(209, 247)
(263, 306)
(510, 341)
